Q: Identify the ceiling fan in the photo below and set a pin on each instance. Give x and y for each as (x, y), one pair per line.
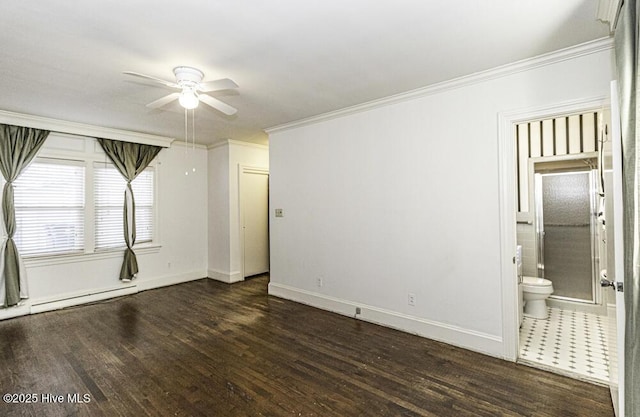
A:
(189, 81)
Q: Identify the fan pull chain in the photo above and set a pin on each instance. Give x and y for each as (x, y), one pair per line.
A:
(193, 135)
(189, 159)
(186, 140)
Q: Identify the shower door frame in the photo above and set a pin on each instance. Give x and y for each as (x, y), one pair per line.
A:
(596, 294)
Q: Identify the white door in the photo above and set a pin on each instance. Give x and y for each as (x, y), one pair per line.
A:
(615, 261)
(254, 200)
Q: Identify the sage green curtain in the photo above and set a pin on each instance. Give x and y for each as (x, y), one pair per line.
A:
(626, 49)
(18, 146)
(130, 159)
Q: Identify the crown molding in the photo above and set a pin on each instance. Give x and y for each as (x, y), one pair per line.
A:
(80, 129)
(183, 144)
(608, 12)
(219, 144)
(550, 58)
(228, 142)
(248, 144)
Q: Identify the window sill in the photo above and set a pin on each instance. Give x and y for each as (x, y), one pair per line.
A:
(45, 260)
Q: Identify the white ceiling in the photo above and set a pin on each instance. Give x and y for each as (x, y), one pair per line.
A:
(293, 59)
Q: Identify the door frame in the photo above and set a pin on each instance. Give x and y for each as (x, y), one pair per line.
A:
(617, 388)
(248, 169)
(507, 202)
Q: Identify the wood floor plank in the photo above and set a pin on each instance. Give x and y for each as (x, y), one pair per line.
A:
(209, 349)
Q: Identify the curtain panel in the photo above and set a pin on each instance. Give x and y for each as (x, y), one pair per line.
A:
(627, 53)
(18, 146)
(130, 159)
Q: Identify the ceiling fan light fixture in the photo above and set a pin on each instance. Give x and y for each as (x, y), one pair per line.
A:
(191, 90)
(188, 99)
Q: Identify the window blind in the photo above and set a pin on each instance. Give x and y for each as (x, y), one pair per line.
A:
(109, 186)
(49, 206)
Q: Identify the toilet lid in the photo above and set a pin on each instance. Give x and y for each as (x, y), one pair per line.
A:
(540, 282)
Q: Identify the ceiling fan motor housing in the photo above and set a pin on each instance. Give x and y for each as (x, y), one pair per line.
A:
(187, 76)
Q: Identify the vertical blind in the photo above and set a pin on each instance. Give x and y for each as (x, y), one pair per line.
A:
(109, 186)
(49, 202)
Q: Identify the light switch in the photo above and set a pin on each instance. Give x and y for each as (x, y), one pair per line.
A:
(279, 213)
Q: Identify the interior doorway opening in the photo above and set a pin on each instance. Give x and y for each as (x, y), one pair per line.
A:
(254, 221)
(558, 230)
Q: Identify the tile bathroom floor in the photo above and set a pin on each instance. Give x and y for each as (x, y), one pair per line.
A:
(569, 342)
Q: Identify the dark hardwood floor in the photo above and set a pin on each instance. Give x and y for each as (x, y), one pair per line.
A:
(209, 349)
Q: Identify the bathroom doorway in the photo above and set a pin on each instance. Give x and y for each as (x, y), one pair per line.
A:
(566, 226)
(557, 227)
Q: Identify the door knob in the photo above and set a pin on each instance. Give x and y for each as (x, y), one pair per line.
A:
(606, 283)
(613, 284)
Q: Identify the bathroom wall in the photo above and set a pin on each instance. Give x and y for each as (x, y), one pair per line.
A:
(566, 135)
(572, 136)
(527, 239)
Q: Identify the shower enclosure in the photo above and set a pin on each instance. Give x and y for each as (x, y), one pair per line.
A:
(566, 225)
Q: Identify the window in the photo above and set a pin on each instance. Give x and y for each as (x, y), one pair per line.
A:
(109, 186)
(68, 204)
(49, 206)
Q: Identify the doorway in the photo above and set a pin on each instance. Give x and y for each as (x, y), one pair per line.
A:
(254, 220)
(565, 208)
(560, 132)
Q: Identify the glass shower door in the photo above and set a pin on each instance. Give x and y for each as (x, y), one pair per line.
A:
(565, 207)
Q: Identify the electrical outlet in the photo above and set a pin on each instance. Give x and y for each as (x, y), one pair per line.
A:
(411, 299)
(358, 310)
(319, 282)
(279, 213)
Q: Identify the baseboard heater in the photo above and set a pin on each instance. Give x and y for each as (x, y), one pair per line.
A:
(39, 306)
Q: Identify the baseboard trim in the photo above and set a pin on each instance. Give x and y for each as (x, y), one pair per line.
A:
(226, 277)
(468, 339)
(151, 283)
(22, 309)
(40, 305)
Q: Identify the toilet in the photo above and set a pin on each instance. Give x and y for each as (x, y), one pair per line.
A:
(535, 292)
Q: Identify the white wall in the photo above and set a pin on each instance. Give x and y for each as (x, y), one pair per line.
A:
(218, 215)
(224, 214)
(404, 198)
(178, 254)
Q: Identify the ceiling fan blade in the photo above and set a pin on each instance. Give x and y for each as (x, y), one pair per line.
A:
(157, 80)
(164, 100)
(217, 104)
(217, 85)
